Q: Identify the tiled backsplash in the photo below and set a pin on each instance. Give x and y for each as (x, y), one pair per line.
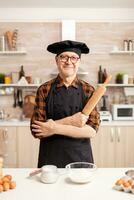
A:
(100, 37)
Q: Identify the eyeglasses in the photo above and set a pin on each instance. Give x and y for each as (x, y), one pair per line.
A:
(73, 59)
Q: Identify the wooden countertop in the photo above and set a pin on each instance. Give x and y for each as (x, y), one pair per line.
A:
(63, 189)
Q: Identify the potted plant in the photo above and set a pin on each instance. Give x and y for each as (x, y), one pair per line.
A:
(119, 78)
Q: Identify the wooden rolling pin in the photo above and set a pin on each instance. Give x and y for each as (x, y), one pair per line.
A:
(99, 92)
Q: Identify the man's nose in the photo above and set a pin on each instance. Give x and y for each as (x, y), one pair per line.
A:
(69, 60)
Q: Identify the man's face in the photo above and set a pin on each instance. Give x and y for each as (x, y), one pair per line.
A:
(68, 63)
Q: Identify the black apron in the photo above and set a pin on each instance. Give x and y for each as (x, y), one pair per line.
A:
(61, 150)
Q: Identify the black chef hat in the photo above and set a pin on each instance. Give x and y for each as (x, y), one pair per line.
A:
(68, 45)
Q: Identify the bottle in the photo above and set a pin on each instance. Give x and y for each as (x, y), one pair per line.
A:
(130, 45)
(125, 45)
(104, 75)
(21, 73)
(100, 75)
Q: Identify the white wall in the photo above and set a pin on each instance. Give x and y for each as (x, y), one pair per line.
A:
(58, 14)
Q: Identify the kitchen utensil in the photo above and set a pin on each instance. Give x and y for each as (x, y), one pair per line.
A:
(20, 98)
(104, 107)
(9, 38)
(35, 172)
(49, 173)
(15, 98)
(99, 92)
(2, 114)
(28, 106)
(81, 172)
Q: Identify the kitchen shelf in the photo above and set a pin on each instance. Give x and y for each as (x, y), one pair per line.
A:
(12, 52)
(78, 73)
(119, 85)
(20, 86)
(122, 52)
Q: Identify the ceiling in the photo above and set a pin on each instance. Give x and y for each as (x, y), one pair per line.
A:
(67, 4)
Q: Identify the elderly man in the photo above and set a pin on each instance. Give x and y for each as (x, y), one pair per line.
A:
(64, 132)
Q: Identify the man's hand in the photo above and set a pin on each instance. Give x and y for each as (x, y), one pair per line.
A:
(79, 119)
(43, 129)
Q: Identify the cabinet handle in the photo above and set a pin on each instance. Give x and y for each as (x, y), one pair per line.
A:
(5, 135)
(118, 134)
(112, 135)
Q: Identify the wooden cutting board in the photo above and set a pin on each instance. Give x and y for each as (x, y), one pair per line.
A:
(28, 105)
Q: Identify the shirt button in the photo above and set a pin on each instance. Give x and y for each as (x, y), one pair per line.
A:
(78, 93)
(76, 107)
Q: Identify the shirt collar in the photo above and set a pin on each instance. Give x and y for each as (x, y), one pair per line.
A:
(60, 82)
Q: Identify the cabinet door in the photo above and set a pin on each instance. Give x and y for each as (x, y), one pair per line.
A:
(113, 147)
(28, 148)
(129, 148)
(120, 146)
(8, 148)
(103, 146)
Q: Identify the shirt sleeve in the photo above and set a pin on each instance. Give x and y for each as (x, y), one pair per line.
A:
(39, 112)
(94, 119)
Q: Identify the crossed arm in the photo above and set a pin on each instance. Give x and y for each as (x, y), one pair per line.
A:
(73, 126)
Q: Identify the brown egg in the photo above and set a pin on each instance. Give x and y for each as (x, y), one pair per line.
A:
(1, 181)
(6, 186)
(12, 185)
(126, 184)
(132, 186)
(130, 181)
(1, 188)
(9, 177)
(5, 179)
(119, 182)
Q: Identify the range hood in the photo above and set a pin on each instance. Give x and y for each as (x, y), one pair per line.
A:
(68, 30)
(68, 33)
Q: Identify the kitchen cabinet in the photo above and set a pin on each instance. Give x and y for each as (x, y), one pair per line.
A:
(18, 147)
(112, 147)
(28, 148)
(8, 146)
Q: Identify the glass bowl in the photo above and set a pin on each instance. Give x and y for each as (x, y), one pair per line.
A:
(81, 172)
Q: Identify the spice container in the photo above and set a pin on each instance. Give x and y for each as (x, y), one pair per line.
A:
(125, 79)
(49, 174)
(130, 45)
(8, 79)
(125, 45)
(130, 80)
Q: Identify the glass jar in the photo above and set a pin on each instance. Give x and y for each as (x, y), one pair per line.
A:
(49, 174)
(130, 80)
(8, 79)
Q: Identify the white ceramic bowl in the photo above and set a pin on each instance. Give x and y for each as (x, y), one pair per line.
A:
(81, 172)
